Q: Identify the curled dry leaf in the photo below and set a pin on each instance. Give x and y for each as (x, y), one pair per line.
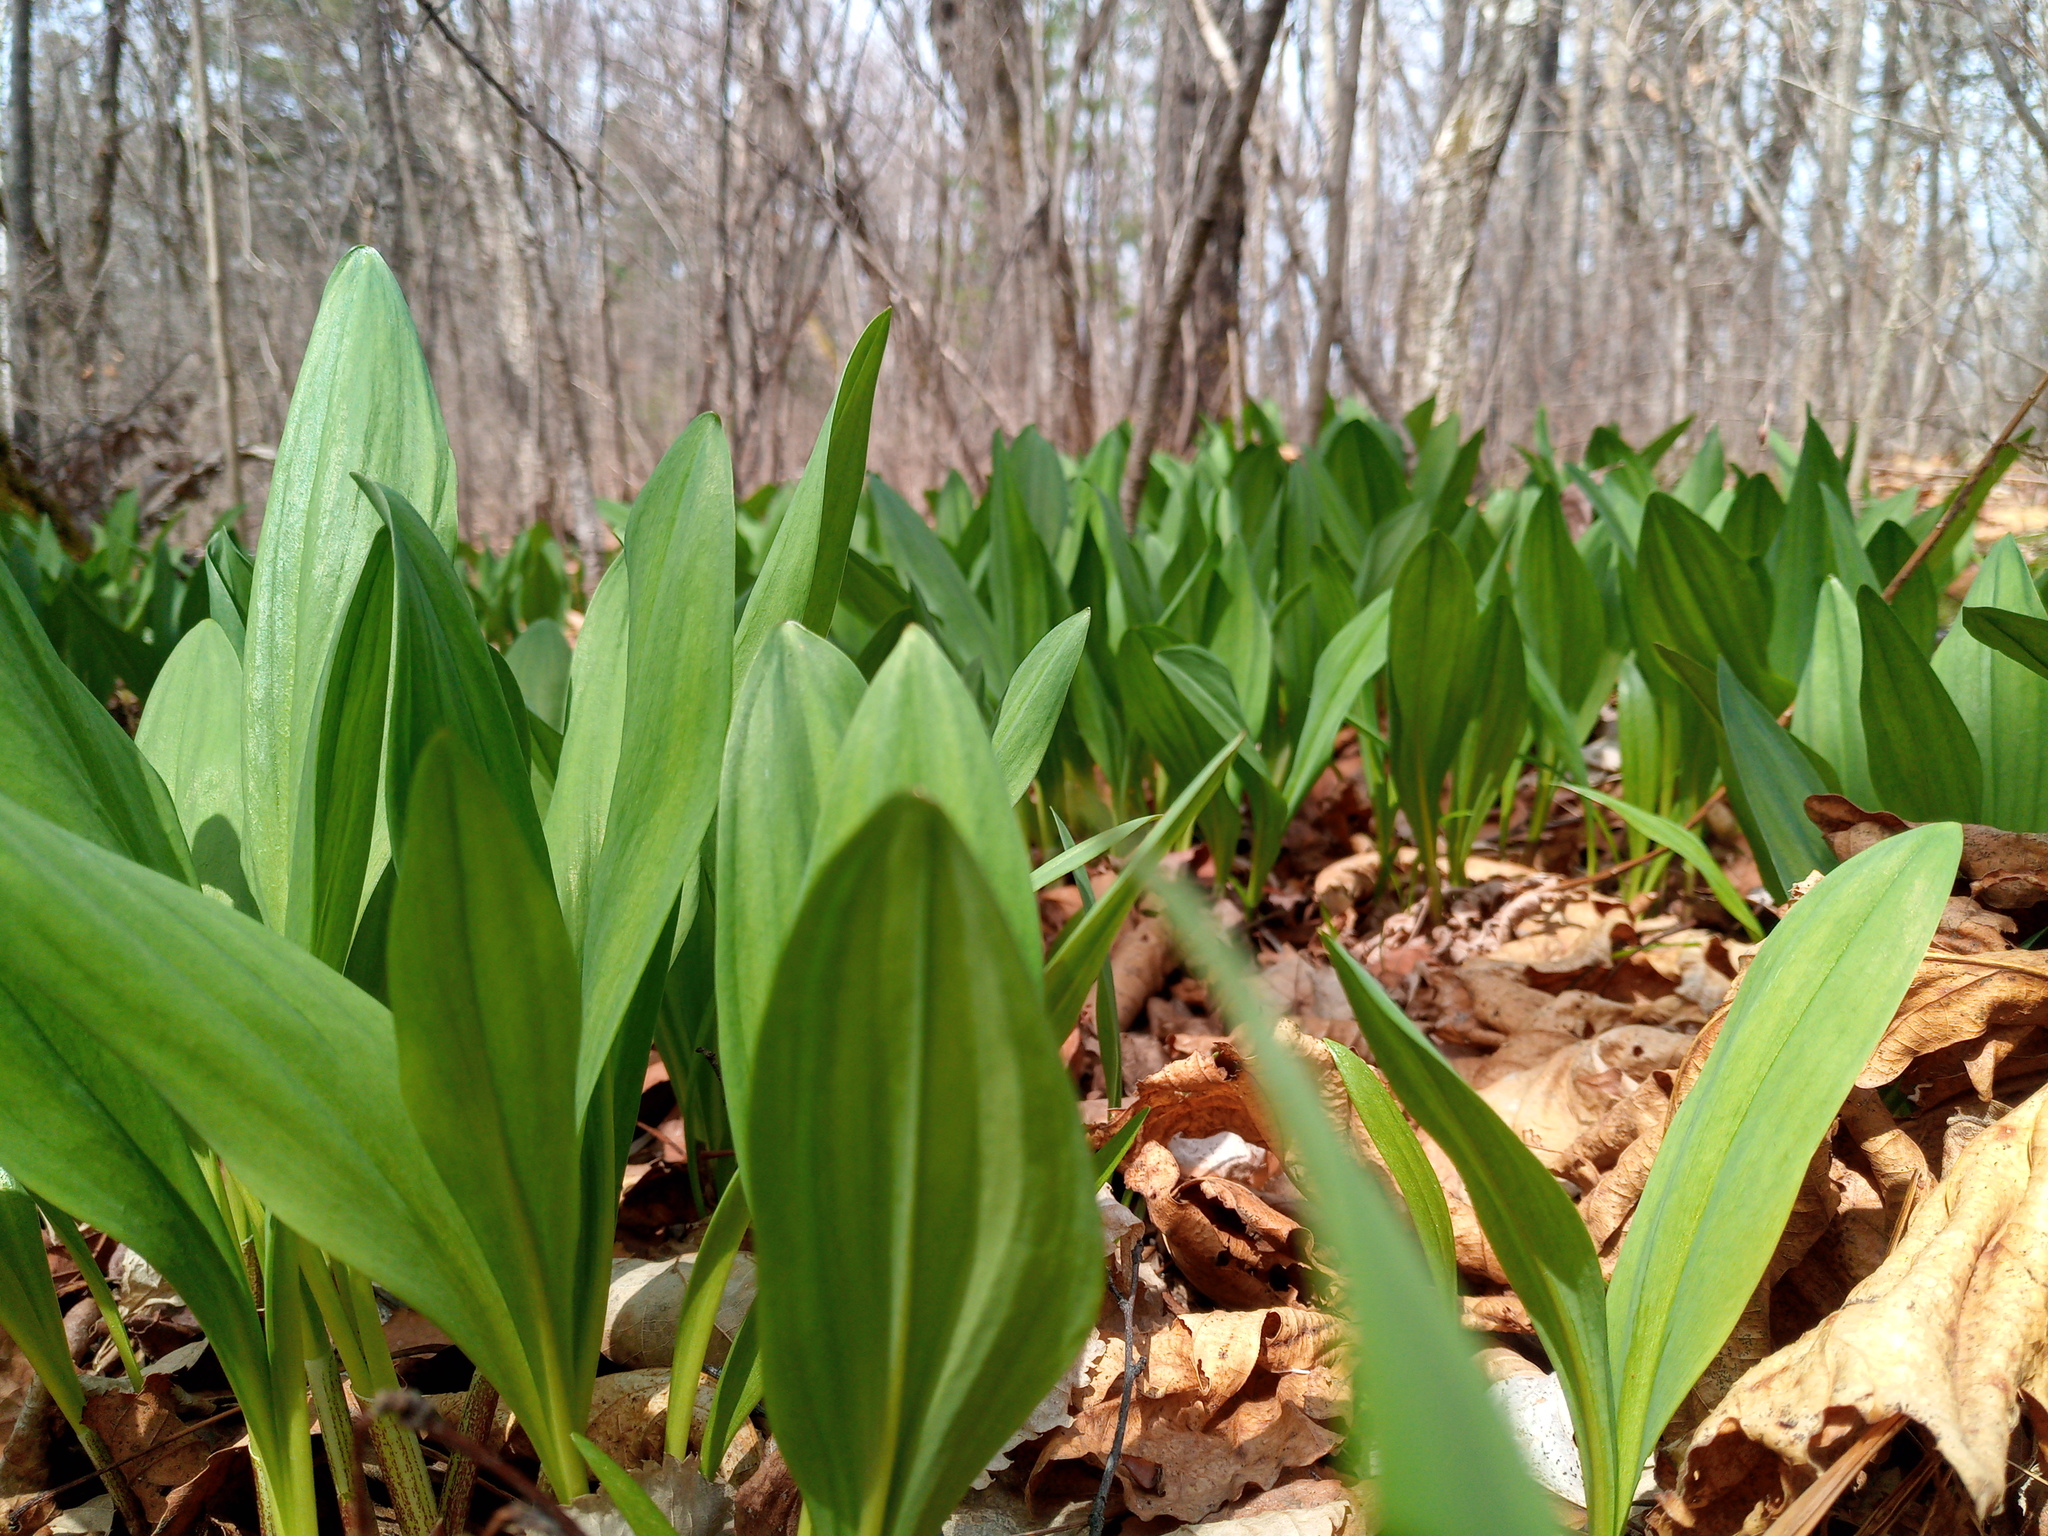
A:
(1950, 1331)
(134, 1425)
(646, 1298)
(1954, 1002)
(1232, 1246)
(1226, 1401)
(1550, 1106)
(2007, 871)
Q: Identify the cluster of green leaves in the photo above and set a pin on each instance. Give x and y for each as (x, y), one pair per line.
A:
(346, 968)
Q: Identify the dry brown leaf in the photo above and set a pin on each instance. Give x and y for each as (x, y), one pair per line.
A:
(1227, 1401)
(1951, 1331)
(2007, 871)
(1552, 1105)
(1231, 1245)
(134, 1425)
(1952, 1001)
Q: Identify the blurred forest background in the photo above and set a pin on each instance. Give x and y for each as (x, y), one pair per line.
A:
(612, 214)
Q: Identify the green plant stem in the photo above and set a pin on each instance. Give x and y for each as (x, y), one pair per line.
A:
(114, 1480)
(96, 1282)
(337, 1432)
(479, 1419)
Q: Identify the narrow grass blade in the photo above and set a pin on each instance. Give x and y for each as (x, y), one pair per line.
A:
(1446, 1466)
(1395, 1139)
(1530, 1221)
(1663, 830)
(638, 1509)
(709, 1272)
(1087, 851)
(737, 1395)
(28, 1301)
(1111, 1154)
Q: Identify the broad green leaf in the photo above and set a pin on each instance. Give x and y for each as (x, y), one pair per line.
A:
(1445, 1464)
(1032, 704)
(191, 734)
(1696, 595)
(792, 712)
(679, 674)
(2013, 633)
(1531, 1223)
(1076, 961)
(540, 658)
(442, 677)
(641, 1514)
(1829, 715)
(579, 809)
(1808, 1014)
(484, 1012)
(1066, 862)
(800, 579)
(277, 1063)
(1672, 835)
(1353, 657)
(923, 562)
(1173, 729)
(906, 1021)
(916, 729)
(63, 757)
(1922, 760)
(1775, 779)
(2003, 702)
(28, 1301)
(362, 404)
(709, 1271)
(1432, 636)
(1394, 1139)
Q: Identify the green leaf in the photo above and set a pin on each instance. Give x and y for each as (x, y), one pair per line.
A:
(923, 562)
(800, 578)
(709, 1271)
(906, 1022)
(442, 677)
(1111, 1154)
(484, 1012)
(1353, 657)
(1829, 715)
(1061, 864)
(639, 1510)
(1922, 761)
(191, 734)
(277, 1063)
(63, 757)
(1809, 1012)
(1670, 834)
(1076, 962)
(1032, 704)
(1432, 647)
(792, 713)
(679, 675)
(540, 658)
(580, 807)
(738, 1392)
(1775, 779)
(2003, 702)
(916, 729)
(28, 1301)
(336, 825)
(1541, 1242)
(363, 404)
(1446, 1466)
(1696, 595)
(1395, 1141)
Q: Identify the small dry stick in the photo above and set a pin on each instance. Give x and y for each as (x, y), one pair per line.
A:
(1805, 1513)
(1962, 495)
(1127, 1301)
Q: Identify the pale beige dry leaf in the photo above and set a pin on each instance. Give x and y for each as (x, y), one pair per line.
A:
(1550, 1106)
(692, 1505)
(1950, 1331)
(1953, 1001)
(646, 1298)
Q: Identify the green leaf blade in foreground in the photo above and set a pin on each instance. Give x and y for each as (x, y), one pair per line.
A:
(1922, 759)
(1395, 1141)
(679, 673)
(484, 1011)
(1773, 780)
(28, 1301)
(1810, 1010)
(1032, 704)
(905, 1021)
(363, 404)
(580, 808)
(1354, 655)
(1446, 1464)
(63, 757)
(1539, 1236)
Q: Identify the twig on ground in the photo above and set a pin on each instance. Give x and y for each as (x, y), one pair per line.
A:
(1962, 492)
(1127, 1301)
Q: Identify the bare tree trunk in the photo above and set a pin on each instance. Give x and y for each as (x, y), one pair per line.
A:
(1188, 252)
(1343, 87)
(388, 211)
(216, 269)
(1451, 193)
(23, 238)
(99, 219)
